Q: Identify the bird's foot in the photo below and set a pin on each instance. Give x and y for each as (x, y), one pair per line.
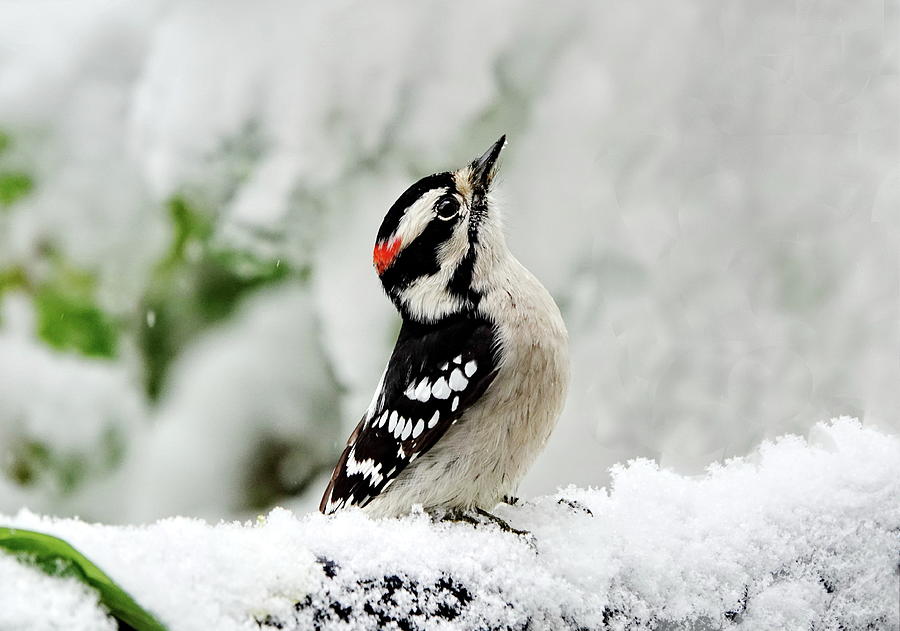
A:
(480, 517)
(501, 523)
(575, 505)
(512, 500)
(457, 516)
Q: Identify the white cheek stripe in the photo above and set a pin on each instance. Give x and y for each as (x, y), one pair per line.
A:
(427, 296)
(418, 216)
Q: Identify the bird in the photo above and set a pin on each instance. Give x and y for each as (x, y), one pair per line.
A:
(478, 376)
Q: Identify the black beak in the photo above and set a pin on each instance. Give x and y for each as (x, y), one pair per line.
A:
(485, 167)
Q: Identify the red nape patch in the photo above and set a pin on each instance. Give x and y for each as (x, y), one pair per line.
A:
(384, 255)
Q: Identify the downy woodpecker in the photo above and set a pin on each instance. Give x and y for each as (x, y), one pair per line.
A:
(479, 372)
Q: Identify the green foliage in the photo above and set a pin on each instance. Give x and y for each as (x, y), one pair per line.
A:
(190, 227)
(70, 321)
(26, 462)
(58, 558)
(14, 185)
(195, 286)
(221, 285)
(13, 277)
(30, 462)
(68, 315)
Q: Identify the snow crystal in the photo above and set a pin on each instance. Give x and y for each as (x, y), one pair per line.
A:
(800, 534)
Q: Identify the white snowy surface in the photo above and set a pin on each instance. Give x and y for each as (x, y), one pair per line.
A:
(710, 191)
(800, 534)
(38, 602)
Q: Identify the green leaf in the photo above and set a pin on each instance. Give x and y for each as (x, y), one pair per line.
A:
(58, 558)
(26, 461)
(195, 285)
(69, 321)
(14, 185)
(13, 278)
(191, 226)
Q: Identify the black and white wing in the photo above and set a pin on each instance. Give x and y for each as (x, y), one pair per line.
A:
(434, 375)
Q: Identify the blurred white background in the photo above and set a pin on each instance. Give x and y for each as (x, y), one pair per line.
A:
(189, 193)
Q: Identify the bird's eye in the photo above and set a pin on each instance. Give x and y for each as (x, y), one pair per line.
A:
(447, 208)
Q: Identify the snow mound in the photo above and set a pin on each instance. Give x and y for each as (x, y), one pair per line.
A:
(801, 534)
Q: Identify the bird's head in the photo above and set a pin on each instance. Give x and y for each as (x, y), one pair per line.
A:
(440, 239)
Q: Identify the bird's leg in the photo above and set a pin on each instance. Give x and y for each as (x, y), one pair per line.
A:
(501, 523)
(478, 517)
(458, 515)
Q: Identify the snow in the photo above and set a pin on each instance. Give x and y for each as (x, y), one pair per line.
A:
(709, 191)
(44, 603)
(802, 533)
(99, 401)
(238, 385)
